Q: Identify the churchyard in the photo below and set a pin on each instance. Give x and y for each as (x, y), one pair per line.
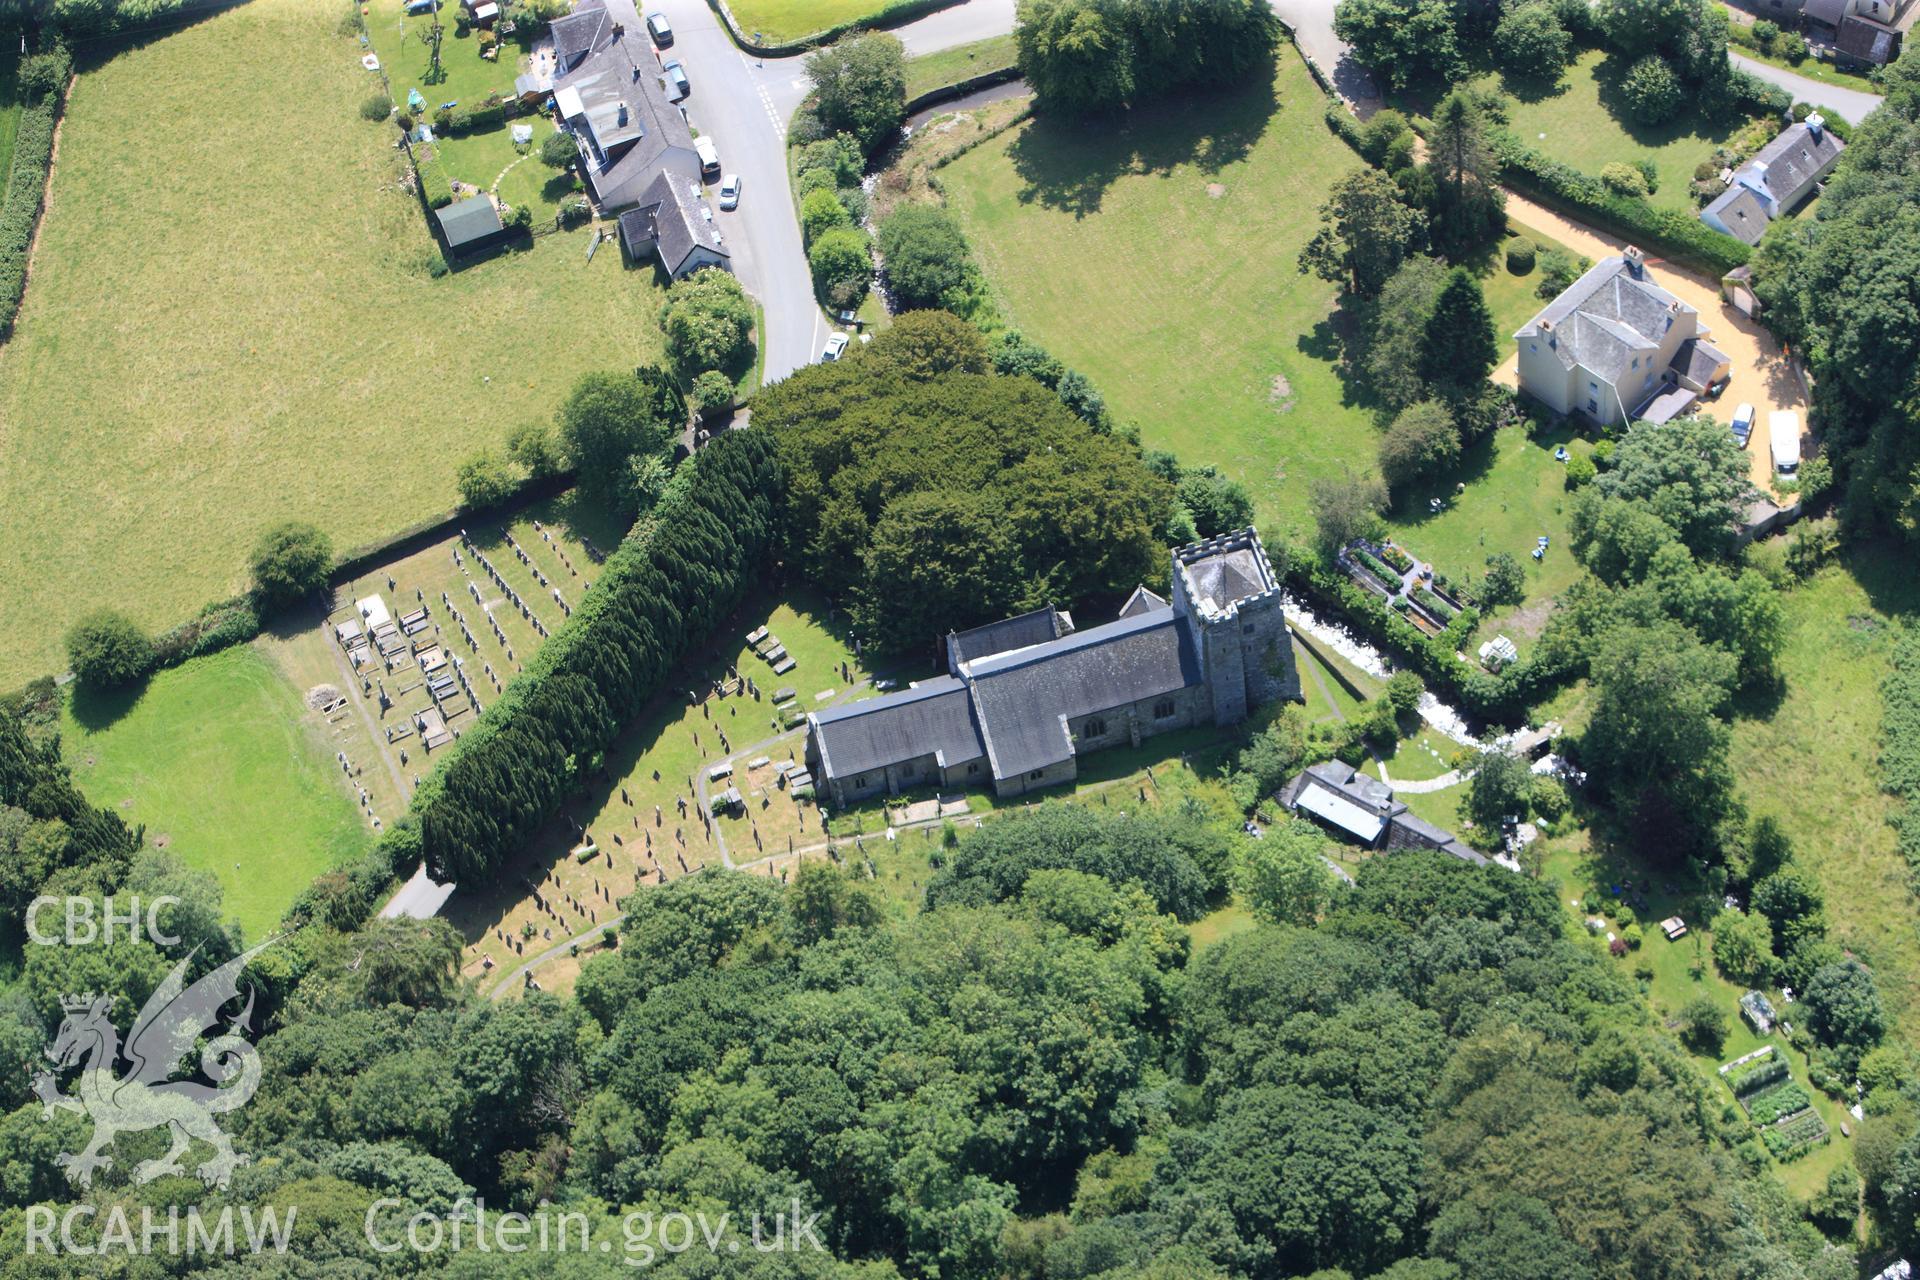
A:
(637, 819)
(227, 771)
(412, 650)
(188, 370)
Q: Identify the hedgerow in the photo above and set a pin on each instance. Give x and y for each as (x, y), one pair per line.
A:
(673, 579)
(1670, 232)
(26, 186)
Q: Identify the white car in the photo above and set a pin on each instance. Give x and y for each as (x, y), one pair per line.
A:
(1743, 423)
(730, 191)
(835, 345)
(709, 157)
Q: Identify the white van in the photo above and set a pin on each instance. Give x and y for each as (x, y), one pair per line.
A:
(1783, 430)
(709, 157)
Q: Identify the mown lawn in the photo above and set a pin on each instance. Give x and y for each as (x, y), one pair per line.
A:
(1812, 761)
(777, 20)
(1515, 492)
(9, 113)
(1578, 122)
(217, 759)
(399, 41)
(231, 323)
(1158, 255)
(490, 161)
(962, 62)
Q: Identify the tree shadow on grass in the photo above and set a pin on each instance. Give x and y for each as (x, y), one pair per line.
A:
(1609, 77)
(1336, 342)
(1885, 571)
(96, 709)
(1068, 162)
(1410, 509)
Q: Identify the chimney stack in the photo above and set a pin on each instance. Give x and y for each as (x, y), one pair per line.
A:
(1815, 124)
(1636, 262)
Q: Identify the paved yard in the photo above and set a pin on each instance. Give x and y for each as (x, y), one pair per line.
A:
(1762, 375)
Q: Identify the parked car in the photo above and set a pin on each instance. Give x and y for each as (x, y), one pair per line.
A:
(709, 157)
(659, 29)
(730, 191)
(836, 344)
(675, 77)
(1743, 423)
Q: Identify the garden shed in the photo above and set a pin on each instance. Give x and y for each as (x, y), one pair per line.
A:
(470, 225)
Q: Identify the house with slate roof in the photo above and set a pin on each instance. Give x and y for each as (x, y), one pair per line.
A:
(1776, 181)
(1024, 698)
(672, 223)
(1616, 347)
(608, 94)
(1365, 810)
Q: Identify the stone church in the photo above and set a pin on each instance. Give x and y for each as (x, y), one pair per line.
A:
(1024, 698)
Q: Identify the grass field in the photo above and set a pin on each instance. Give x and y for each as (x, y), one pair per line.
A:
(778, 20)
(1158, 257)
(962, 62)
(230, 323)
(1578, 123)
(1813, 762)
(216, 759)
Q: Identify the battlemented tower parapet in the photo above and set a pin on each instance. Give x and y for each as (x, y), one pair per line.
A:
(1227, 586)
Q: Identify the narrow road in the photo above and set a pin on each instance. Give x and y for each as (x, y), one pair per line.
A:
(1853, 104)
(744, 105)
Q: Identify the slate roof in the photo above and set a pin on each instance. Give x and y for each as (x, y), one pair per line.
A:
(1024, 696)
(578, 33)
(1827, 11)
(1606, 318)
(468, 222)
(673, 219)
(1867, 40)
(1142, 601)
(639, 133)
(1740, 209)
(1698, 361)
(1220, 579)
(935, 717)
(1036, 627)
(1799, 157)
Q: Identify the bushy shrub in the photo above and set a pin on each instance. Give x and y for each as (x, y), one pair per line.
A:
(1764, 34)
(1624, 178)
(1651, 91)
(842, 267)
(558, 150)
(291, 561)
(376, 107)
(1521, 255)
(925, 255)
(708, 322)
(712, 392)
(44, 75)
(1790, 45)
(821, 212)
(107, 649)
(484, 480)
(1580, 471)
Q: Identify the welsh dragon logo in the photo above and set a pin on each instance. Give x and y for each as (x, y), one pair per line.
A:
(173, 1020)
